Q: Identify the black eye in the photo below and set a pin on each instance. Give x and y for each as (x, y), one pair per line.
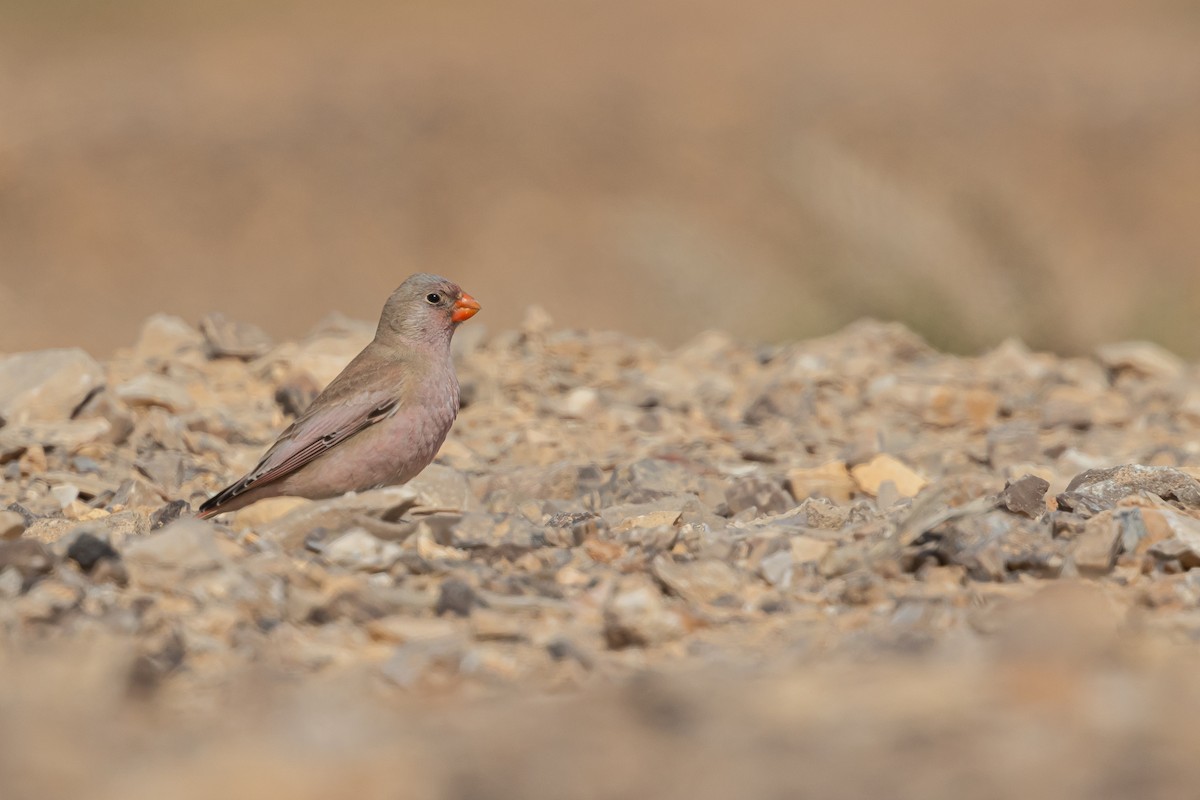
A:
(434, 298)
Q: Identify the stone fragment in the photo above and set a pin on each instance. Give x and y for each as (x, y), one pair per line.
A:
(1080, 408)
(296, 393)
(169, 513)
(87, 550)
(580, 403)
(1099, 489)
(490, 625)
(831, 481)
(50, 529)
(502, 532)
(338, 514)
(416, 660)
(163, 337)
(1143, 359)
(1094, 553)
(505, 489)
(756, 492)
(152, 389)
(651, 478)
(233, 338)
(1026, 496)
(66, 435)
(777, 569)
(807, 550)
(702, 582)
(187, 545)
(637, 615)
(870, 476)
(28, 557)
(571, 529)
(358, 550)
(46, 385)
(455, 597)
(263, 513)
(442, 487)
(817, 512)
(399, 629)
(956, 407)
(12, 525)
(47, 601)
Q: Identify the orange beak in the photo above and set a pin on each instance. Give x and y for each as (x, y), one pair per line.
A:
(465, 308)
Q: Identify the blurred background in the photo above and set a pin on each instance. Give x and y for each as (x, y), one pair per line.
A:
(977, 170)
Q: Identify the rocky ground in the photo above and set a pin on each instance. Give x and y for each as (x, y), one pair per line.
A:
(845, 567)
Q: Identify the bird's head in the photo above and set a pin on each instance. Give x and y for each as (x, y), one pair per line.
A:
(425, 307)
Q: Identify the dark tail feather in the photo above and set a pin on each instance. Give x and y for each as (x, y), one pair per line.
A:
(212, 506)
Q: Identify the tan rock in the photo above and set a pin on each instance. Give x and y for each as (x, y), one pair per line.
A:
(1095, 551)
(257, 515)
(869, 477)
(806, 549)
(705, 581)
(951, 406)
(831, 481)
(46, 385)
(151, 389)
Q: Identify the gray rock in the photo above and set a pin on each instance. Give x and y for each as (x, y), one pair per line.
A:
(1026, 496)
(637, 615)
(235, 339)
(505, 490)
(777, 569)
(759, 493)
(704, 582)
(67, 435)
(652, 478)
(502, 532)
(339, 514)
(439, 486)
(1099, 489)
(358, 550)
(455, 596)
(30, 558)
(47, 385)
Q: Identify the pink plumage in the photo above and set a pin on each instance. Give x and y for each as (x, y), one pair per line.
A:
(382, 419)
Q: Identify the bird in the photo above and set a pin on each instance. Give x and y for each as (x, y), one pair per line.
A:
(382, 419)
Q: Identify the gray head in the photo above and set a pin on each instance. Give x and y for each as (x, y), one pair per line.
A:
(424, 308)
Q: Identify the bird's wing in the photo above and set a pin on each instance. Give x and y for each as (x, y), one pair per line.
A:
(322, 427)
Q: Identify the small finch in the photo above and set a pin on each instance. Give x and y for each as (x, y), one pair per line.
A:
(382, 419)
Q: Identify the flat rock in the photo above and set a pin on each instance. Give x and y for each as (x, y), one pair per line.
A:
(1099, 489)
(186, 545)
(12, 525)
(47, 385)
(637, 615)
(165, 336)
(831, 481)
(152, 389)
(1144, 359)
(358, 550)
(884, 468)
(1027, 496)
(703, 582)
(233, 338)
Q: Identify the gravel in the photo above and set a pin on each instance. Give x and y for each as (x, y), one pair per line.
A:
(839, 567)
